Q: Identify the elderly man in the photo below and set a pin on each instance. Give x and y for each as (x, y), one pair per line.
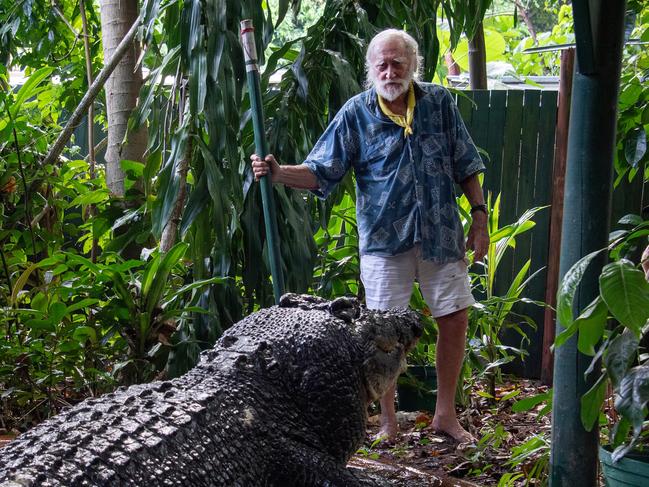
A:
(407, 145)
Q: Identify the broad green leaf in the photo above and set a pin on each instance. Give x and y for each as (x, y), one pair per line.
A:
(39, 324)
(630, 401)
(566, 333)
(194, 285)
(57, 311)
(568, 287)
(29, 89)
(530, 403)
(198, 198)
(83, 333)
(635, 146)
(39, 302)
(169, 180)
(620, 432)
(621, 352)
(134, 167)
(151, 9)
(149, 274)
(123, 293)
(631, 219)
(510, 395)
(197, 81)
(215, 45)
(91, 198)
(591, 324)
(20, 283)
(484, 394)
(591, 403)
(191, 28)
(281, 11)
(82, 261)
(145, 101)
(159, 281)
(84, 303)
(626, 293)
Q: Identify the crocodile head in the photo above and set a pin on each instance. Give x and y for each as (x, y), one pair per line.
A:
(385, 338)
(382, 338)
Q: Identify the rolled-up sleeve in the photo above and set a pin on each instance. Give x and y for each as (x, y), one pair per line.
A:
(331, 157)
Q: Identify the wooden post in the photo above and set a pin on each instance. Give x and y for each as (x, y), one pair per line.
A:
(586, 219)
(556, 215)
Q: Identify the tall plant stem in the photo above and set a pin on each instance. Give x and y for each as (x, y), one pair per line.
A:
(91, 94)
(91, 111)
(6, 269)
(91, 119)
(28, 215)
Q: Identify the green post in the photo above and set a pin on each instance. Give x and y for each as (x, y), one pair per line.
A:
(586, 221)
(261, 148)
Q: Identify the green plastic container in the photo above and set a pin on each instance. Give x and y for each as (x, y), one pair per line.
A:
(632, 470)
(417, 389)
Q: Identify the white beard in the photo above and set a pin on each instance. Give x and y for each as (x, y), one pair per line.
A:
(392, 89)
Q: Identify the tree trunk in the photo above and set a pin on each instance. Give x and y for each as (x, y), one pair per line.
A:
(478, 61)
(451, 65)
(170, 231)
(122, 89)
(524, 14)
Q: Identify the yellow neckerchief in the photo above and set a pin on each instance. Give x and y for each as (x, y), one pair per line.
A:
(400, 120)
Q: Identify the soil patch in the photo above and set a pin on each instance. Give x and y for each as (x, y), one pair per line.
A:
(513, 445)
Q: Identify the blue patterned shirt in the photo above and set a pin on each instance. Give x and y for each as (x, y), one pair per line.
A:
(405, 192)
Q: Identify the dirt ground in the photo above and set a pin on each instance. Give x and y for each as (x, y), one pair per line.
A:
(419, 456)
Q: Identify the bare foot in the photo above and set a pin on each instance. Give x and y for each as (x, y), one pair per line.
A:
(452, 428)
(388, 432)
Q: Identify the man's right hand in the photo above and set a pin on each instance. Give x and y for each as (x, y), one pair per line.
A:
(261, 167)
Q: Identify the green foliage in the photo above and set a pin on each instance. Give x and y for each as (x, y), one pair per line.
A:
(113, 313)
(532, 402)
(631, 154)
(489, 317)
(36, 34)
(337, 271)
(534, 454)
(544, 63)
(292, 19)
(624, 296)
(72, 272)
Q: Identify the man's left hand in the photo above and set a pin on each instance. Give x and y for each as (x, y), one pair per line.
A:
(478, 239)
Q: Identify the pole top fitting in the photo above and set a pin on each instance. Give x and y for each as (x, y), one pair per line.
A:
(246, 26)
(248, 44)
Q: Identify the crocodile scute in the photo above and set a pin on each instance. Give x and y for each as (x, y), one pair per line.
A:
(281, 399)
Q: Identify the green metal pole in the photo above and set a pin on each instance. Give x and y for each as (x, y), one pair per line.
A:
(261, 148)
(586, 220)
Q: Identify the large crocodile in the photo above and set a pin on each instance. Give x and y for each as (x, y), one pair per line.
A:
(281, 399)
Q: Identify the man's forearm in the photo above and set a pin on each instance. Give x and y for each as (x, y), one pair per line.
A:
(299, 177)
(472, 190)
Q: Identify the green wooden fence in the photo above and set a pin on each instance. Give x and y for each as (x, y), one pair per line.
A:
(516, 129)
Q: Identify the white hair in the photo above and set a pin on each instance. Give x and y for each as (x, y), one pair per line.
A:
(410, 44)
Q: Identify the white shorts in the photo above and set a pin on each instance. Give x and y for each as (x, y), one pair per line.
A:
(388, 282)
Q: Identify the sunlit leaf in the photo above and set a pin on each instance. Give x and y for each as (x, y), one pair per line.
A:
(626, 293)
(568, 288)
(635, 146)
